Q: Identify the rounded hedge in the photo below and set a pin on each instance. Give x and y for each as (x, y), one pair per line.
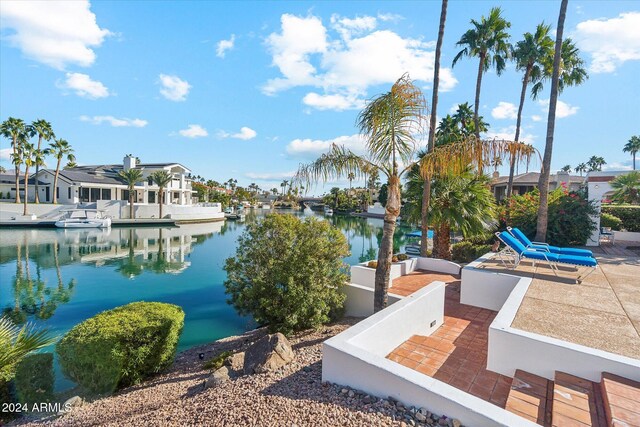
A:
(122, 346)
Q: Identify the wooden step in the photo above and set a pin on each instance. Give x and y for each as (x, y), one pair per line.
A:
(576, 402)
(621, 398)
(529, 397)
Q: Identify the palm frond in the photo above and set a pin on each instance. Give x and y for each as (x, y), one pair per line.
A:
(337, 163)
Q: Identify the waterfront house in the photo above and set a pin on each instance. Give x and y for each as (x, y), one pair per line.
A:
(526, 182)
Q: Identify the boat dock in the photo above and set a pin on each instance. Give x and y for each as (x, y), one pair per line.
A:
(140, 222)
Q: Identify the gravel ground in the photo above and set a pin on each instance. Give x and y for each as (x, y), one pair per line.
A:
(291, 396)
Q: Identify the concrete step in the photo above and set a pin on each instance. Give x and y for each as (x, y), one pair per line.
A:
(576, 402)
(529, 397)
(621, 398)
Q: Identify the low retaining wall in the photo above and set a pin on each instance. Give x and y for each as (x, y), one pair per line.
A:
(120, 209)
(486, 289)
(626, 236)
(359, 302)
(356, 357)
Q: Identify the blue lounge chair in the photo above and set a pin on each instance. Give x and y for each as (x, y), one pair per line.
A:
(539, 246)
(517, 252)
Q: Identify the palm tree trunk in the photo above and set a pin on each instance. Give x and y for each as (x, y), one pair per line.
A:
(26, 189)
(385, 252)
(131, 190)
(17, 170)
(476, 107)
(634, 160)
(442, 242)
(160, 196)
(55, 183)
(426, 190)
(37, 200)
(543, 184)
(512, 158)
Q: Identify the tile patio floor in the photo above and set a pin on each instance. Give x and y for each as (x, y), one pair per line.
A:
(410, 283)
(457, 352)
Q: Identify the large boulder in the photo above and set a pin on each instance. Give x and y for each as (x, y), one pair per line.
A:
(268, 354)
(235, 362)
(219, 377)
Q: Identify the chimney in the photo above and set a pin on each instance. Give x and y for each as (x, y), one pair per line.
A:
(496, 175)
(562, 176)
(129, 162)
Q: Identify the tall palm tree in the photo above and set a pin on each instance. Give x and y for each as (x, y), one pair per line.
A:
(28, 152)
(488, 40)
(43, 129)
(595, 163)
(351, 176)
(14, 129)
(633, 146)
(543, 183)
(59, 148)
(530, 54)
(130, 177)
(162, 178)
(582, 167)
(426, 190)
(566, 168)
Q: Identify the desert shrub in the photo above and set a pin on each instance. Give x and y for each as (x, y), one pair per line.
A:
(569, 217)
(288, 273)
(122, 346)
(372, 264)
(467, 251)
(630, 216)
(34, 379)
(608, 220)
(394, 258)
(402, 257)
(217, 362)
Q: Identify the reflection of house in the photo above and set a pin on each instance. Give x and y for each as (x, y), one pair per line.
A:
(84, 184)
(527, 182)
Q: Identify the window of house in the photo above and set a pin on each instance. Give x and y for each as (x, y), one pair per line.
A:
(57, 192)
(150, 181)
(95, 194)
(152, 196)
(106, 194)
(84, 194)
(125, 194)
(68, 193)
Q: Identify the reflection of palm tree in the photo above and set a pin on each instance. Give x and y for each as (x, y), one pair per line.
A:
(130, 267)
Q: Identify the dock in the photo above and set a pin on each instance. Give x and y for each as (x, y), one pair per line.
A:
(140, 222)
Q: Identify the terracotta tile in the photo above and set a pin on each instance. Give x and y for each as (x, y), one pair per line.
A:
(426, 369)
(443, 376)
(409, 363)
(481, 392)
(460, 382)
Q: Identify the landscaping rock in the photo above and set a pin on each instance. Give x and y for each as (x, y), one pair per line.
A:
(69, 404)
(268, 354)
(219, 377)
(235, 362)
(456, 423)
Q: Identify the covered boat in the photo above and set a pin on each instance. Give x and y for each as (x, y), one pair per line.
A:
(84, 218)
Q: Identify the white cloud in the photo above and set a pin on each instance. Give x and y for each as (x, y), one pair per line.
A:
(313, 148)
(536, 118)
(346, 66)
(194, 131)
(562, 108)
(5, 153)
(508, 133)
(392, 17)
(270, 176)
(505, 110)
(611, 42)
(333, 102)
(246, 133)
(618, 166)
(55, 33)
(224, 45)
(174, 88)
(83, 86)
(115, 122)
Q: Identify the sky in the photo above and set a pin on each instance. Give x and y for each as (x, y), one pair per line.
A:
(249, 90)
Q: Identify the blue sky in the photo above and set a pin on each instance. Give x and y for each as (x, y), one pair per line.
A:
(251, 89)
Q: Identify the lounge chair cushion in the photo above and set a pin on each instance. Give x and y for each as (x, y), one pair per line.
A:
(542, 256)
(577, 260)
(553, 249)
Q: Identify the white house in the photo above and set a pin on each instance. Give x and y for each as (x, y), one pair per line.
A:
(87, 184)
(599, 189)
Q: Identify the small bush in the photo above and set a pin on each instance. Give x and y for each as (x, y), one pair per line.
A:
(608, 220)
(34, 379)
(467, 251)
(394, 258)
(288, 273)
(630, 216)
(122, 346)
(402, 257)
(372, 264)
(217, 362)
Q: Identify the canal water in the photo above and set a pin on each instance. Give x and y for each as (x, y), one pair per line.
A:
(58, 278)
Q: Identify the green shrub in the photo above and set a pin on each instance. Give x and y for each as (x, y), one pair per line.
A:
(372, 264)
(630, 216)
(467, 251)
(122, 346)
(217, 362)
(612, 221)
(288, 273)
(34, 379)
(402, 257)
(569, 217)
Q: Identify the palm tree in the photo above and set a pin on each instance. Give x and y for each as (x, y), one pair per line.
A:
(43, 129)
(426, 190)
(633, 146)
(28, 152)
(496, 162)
(70, 164)
(566, 168)
(595, 163)
(284, 184)
(14, 129)
(530, 54)
(627, 188)
(543, 183)
(59, 148)
(351, 176)
(488, 40)
(582, 167)
(162, 178)
(130, 177)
